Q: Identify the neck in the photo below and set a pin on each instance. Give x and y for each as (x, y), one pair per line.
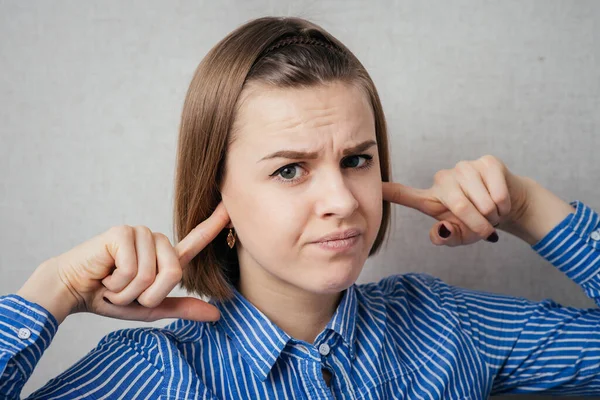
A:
(301, 314)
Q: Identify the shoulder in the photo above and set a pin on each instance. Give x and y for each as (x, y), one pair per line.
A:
(402, 284)
(409, 290)
(152, 344)
(164, 354)
(179, 331)
(139, 343)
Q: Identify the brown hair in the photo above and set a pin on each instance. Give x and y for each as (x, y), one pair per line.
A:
(284, 52)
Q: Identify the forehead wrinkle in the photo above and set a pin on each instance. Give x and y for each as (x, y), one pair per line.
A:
(297, 120)
(323, 117)
(331, 140)
(321, 125)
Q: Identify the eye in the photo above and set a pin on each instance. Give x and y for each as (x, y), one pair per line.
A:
(293, 173)
(289, 173)
(357, 161)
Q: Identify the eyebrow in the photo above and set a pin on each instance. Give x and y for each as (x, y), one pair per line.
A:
(298, 155)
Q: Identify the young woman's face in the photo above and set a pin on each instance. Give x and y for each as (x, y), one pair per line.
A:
(304, 165)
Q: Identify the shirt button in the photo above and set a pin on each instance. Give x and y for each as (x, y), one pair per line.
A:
(596, 236)
(24, 333)
(324, 349)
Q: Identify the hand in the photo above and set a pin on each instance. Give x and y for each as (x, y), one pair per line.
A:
(470, 200)
(125, 273)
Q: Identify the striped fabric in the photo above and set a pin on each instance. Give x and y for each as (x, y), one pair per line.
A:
(408, 336)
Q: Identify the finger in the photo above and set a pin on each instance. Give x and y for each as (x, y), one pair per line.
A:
(121, 245)
(169, 273)
(202, 235)
(497, 186)
(475, 190)
(404, 195)
(458, 203)
(146, 269)
(188, 308)
(449, 237)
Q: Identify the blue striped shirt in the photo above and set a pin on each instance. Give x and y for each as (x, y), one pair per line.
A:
(407, 336)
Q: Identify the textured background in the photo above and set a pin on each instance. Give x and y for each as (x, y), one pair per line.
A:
(91, 93)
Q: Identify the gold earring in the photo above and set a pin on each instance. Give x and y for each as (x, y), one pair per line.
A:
(230, 239)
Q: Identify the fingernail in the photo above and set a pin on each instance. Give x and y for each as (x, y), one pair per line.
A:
(493, 238)
(443, 232)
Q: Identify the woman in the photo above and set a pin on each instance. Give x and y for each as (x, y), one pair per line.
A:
(282, 192)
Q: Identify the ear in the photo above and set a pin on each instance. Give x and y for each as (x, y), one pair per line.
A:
(229, 225)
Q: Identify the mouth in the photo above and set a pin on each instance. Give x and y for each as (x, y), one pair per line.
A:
(339, 241)
(339, 235)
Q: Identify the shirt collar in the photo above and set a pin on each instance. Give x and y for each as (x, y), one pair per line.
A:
(343, 321)
(257, 339)
(260, 341)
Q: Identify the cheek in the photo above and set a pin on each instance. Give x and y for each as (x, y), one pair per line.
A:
(370, 197)
(371, 200)
(263, 217)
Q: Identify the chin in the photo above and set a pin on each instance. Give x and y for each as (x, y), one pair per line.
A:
(337, 279)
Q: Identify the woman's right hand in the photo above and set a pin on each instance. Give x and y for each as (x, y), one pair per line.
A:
(125, 273)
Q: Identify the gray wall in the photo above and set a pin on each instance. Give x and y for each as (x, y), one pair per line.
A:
(91, 93)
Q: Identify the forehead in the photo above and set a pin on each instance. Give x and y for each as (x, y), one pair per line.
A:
(267, 114)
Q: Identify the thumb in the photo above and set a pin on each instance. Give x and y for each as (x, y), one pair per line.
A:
(445, 234)
(188, 308)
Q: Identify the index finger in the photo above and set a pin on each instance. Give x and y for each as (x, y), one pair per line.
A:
(404, 195)
(202, 235)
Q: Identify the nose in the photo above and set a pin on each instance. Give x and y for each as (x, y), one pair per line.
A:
(334, 196)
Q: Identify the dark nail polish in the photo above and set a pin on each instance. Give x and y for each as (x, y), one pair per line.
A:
(443, 231)
(493, 238)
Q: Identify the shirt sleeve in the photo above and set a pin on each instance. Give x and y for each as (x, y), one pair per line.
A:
(125, 362)
(573, 246)
(26, 330)
(543, 346)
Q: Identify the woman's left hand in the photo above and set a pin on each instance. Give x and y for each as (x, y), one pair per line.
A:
(470, 200)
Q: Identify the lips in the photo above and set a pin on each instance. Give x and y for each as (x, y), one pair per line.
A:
(339, 235)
